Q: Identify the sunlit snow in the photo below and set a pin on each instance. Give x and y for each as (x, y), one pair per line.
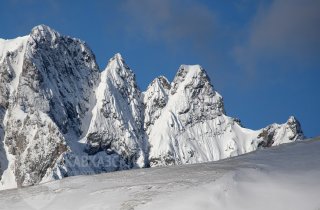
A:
(282, 177)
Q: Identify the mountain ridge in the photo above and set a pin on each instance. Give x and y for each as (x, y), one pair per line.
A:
(61, 116)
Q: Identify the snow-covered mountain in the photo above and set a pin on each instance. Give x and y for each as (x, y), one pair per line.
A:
(190, 125)
(60, 116)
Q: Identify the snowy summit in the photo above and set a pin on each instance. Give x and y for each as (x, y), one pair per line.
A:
(60, 115)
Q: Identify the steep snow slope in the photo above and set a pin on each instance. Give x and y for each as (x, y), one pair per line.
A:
(282, 177)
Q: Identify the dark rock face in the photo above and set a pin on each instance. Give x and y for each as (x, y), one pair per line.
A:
(267, 135)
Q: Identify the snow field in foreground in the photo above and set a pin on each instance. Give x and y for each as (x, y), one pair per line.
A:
(282, 177)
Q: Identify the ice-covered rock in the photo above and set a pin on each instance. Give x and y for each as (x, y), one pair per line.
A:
(49, 85)
(60, 116)
(117, 121)
(155, 98)
(276, 134)
(192, 126)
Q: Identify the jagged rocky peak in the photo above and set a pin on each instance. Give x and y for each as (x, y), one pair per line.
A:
(50, 96)
(191, 122)
(192, 90)
(118, 59)
(162, 81)
(120, 74)
(58, 75)
(190, 76)
(118, 69)
(117, 123)
(122, 78)
(158, 89)
(155, 99)
(294, 125)
(117, 62)
(44, 37)
(43, 33)
(276, 134)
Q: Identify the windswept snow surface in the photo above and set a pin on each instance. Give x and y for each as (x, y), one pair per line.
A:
(281, 177)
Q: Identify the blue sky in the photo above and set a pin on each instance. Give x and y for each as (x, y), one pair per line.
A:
(262, 56)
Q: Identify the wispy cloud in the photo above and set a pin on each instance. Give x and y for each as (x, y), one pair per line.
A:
(171, 21)
(285, 29)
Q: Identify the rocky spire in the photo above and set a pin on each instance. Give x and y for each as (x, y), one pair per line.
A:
(116, 125)
(276, 134)
(43, 33)
(51, 95)
(155, 99)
